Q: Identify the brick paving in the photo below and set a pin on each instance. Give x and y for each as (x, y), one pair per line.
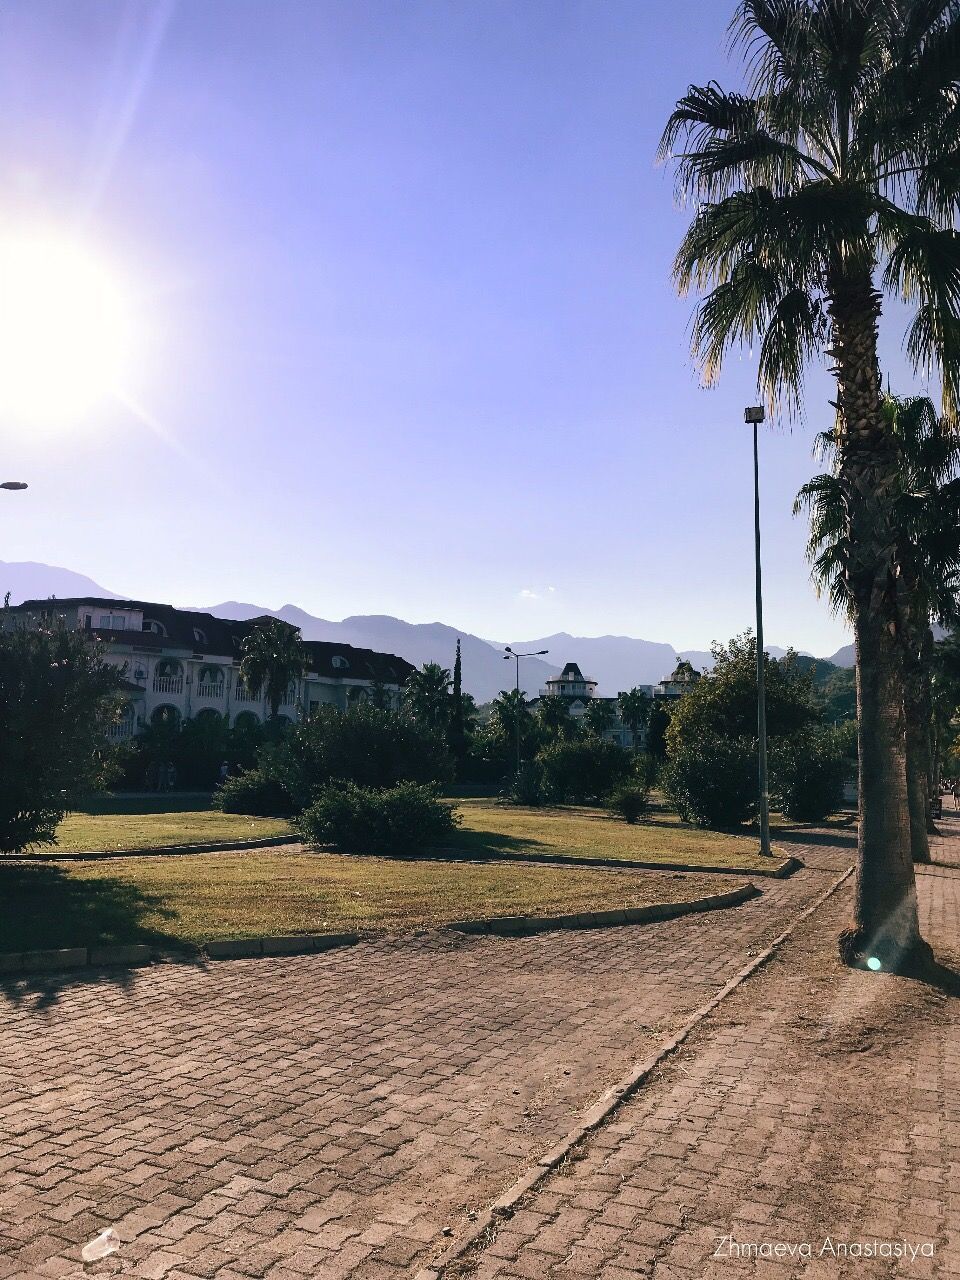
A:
(815, 1104)
(329, 1116)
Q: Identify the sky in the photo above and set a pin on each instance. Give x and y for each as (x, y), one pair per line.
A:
(399, 330)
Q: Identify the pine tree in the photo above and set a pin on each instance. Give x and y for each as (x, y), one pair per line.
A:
(457, 731)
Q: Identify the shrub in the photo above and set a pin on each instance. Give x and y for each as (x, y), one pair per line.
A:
(630, 800)
(365, 745)
(254, 792)
(585, 770)
(56, 696)
(712, 781)
(528, 785)
(807, 773)
(400, 819)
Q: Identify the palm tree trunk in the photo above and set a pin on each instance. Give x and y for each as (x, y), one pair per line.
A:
(885, 927)
(918, 763)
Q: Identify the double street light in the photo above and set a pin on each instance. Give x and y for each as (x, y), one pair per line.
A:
(508, 654)
(12, 484)
(754, 415)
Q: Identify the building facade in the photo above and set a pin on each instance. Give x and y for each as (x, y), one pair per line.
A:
(178, 665)
(579, 691)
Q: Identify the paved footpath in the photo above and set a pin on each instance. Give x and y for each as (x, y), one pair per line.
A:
(816, 1108)
(331, 1116)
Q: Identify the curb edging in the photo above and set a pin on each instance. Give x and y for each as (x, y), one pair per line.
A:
(164, 850)
(520, 926)
(611, 1100)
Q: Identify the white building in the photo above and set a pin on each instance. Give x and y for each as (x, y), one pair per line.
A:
(178, 664)
(578, 691)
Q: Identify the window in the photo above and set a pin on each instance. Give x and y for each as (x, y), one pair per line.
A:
(112, 622)
(105, 621)
(338, 660)
(199, 636)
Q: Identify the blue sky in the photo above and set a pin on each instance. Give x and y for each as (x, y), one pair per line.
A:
(405, 339)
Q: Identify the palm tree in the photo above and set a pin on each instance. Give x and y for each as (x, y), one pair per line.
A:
(834, 177)
(272, 658)
(509, 707)
(634, 708)
(927, 520)
(599, 716)
(553, 717)
(427, 694)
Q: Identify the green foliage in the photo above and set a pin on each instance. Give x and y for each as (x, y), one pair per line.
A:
(726, 703)
(586, 770)
(273, 657)
(427, 695)
(712, 780)
(807, 773)
(529, 785)
(554, 719)
(56, 698)
(599, 717)
(631, 800)
(658, 722)
(363, 745)
(400, 819)
(634, 706)
(254, 792)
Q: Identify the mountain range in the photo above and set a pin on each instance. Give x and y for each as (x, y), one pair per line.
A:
(616, 662)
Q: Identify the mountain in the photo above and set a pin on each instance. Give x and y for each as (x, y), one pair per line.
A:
(484, 671)
(30, 580)
(616, 662)
(844, 657)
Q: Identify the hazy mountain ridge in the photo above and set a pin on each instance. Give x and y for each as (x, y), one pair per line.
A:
(616, 662)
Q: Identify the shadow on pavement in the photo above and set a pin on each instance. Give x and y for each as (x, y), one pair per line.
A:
(44, 907)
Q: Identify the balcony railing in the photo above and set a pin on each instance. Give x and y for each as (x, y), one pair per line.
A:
(209, 689)
(242, 694)
(168, 684)
(122, 729)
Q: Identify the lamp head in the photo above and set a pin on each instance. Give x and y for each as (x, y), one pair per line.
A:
(13, 484)
(754, 413)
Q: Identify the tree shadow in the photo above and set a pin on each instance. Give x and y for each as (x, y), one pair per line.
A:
(479, 844)
(804, 835)
(43, 907)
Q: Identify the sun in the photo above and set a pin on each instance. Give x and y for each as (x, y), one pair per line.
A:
(64, 330)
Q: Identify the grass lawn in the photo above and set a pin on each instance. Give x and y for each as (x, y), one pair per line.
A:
(166, 901)
(81, 832)
(492, 826)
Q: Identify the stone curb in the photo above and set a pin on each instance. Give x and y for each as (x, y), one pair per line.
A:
(778, 871)
(610, 1101)
(163, 850)
(517, 926)
(20, 962)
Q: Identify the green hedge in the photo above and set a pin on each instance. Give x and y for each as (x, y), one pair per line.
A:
(400, 819)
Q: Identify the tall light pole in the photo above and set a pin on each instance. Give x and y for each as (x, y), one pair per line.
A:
(510, 653)
(755, 415)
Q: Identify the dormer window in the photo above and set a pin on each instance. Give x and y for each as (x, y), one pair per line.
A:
(339, 661)
(154, 627)
(199, 636)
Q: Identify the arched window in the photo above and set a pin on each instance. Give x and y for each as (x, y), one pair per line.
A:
(340, 662)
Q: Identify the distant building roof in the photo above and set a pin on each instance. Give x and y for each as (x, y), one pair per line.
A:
(210, 636)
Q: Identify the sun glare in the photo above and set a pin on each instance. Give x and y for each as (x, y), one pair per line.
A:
(64, 331)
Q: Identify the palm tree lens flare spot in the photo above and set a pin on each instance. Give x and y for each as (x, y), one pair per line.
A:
(65, 330)
(874, 964)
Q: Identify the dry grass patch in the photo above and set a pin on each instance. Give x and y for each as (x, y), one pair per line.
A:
(188, 900)
(83, 832)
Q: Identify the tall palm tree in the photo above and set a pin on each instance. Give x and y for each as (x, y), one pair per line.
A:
(553, 717)
(509, 707)
(599, 716)
(272, 657)
(634, 708)
(834, 177)
(427, 694)
(927, 521)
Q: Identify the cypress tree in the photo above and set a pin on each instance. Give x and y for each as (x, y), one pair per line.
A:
(456, 730)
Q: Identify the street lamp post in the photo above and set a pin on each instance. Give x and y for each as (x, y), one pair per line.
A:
(510, 653)
(754, 416)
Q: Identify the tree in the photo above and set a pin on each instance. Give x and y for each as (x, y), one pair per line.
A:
(554, 719)
(57, 696)
(456, 729)
(634, 708)
(834, 177)
(926, 520)
(427, 694)
(599, 717)
(272, 657)
(657, 724)
(508, 711)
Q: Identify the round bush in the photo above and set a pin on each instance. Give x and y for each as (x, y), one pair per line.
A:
(400, 819)
(713, 781)
(808, 771)
(584, 770)
(256, 793)
(631, 801)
